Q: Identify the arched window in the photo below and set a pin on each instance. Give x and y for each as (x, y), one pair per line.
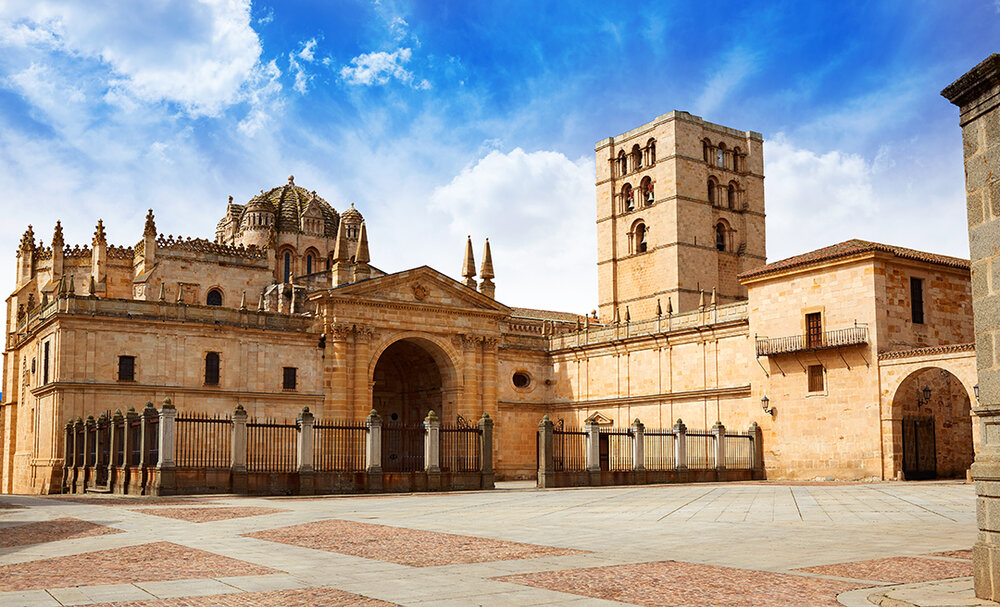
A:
(711, 190)
(212, 368)
(638, 237)
(628, 200)
(309, 262)
(214, 298)
(737, 159)
(622, 163)
(706, 150)
(651, 151)
(646, 188)
(636, 157)
(287, 271)
(731, 195)
(720, 236)
(720, 156)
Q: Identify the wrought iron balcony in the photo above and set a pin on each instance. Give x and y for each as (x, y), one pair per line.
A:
(851, 336)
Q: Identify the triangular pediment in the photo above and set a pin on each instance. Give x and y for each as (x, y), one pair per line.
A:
(419, 286)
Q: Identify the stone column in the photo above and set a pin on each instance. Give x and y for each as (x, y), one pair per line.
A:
(166, 479)
(79, 454)
(304, 452)
(373, 452)
(757, 451)
(239, 450)
(432, 450)
(638, 452)
(67, 456)
(720, 450)
(977, 94)
(361, 383)
(680, 450)
(593, 430)
(335, 375)
(546, 465)
(486, 451)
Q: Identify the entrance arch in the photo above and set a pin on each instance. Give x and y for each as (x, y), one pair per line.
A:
(932, 426)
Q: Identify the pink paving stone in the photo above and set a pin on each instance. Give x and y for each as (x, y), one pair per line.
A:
(153, 562)
(404, 546)
(132, 500)
(674, 583)
(51, 531)
(303, 597)
(897, 569)
(207, 515)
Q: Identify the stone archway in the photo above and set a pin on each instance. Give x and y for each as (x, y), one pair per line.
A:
(932, 439)
(408, 381)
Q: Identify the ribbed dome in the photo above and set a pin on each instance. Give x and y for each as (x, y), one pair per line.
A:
(353, 215)
(288, 203)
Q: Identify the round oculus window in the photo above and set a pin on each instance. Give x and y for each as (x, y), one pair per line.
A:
(521, 380)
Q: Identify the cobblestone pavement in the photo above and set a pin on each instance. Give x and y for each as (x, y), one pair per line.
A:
(702, 544)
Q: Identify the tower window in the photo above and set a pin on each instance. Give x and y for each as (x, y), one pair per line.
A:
(651, 150)
(309, 264)
(212, 369)
(711, 191)
(639, 233)
(622, 163)
(288, 267)
(647, 191)
(731, 196)
(288, 378)
(45, 363)
(636, 157)
(214, 298)
(720, 158)
(720, 237)
(917, 300)
(126, 368)
(627, 198)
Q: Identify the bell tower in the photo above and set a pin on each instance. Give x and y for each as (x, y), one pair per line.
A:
(680, 211)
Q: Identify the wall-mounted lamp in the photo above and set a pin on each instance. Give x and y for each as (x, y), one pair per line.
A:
(764, 402)
(926, 392)
(975, 390)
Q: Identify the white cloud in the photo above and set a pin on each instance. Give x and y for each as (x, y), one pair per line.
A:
(734, 68)
(201, 56)
(263, 97)
(308, 50)
(536, 208)
(379, 68)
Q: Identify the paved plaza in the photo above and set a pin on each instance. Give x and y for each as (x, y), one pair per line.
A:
(732, 544)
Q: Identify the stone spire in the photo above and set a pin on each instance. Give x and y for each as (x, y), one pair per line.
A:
(57, 251)
(713, 303)
(243, 301)
(469, 265)
(340, 250)
(659, 310)
(361, 257)
(486, 287)
(57, 238)
(163, 291)
(701, 299)
(670, 306)
(150, 230)
(99, 254)
(341, 272)
(28, 240)
(260, 302)
(100, 236)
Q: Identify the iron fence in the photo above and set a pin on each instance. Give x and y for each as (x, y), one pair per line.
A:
(271, 446)
(203, 440)
(135, 441)
(616, 448)
(700, 447)
(739, 450)
(658, 450)
(402, 448)
(569, 450)
(460, 449)
(153, 441)
(339, 445)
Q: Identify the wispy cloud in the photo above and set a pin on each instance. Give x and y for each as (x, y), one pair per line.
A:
(736, 66)
(380, 67)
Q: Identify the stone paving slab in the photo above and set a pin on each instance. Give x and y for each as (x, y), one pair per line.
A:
(304, 597)
(208, 515)
(898, 570)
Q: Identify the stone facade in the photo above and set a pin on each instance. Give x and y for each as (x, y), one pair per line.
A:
(693, 330)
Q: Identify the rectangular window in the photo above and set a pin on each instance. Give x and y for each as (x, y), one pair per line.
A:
(814, 330)
(816, 383)
(45, 363)
(212, 368)
(126, 368)
(289, 378)
(917, 300)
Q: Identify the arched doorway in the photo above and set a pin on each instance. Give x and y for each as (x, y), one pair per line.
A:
(931, 413)
(411, 378)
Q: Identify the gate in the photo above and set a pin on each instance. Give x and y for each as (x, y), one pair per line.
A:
(402, 448)
(919, 454)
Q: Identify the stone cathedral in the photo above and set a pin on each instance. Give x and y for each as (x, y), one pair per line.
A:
(841, 355)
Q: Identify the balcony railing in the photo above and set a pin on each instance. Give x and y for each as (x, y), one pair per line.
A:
(851, 336)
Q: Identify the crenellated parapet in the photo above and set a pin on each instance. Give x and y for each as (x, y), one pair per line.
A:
(202, 245)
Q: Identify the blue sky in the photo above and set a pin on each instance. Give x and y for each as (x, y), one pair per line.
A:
(442, 119)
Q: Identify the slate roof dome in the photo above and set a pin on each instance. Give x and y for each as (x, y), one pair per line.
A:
(353, 215)
(288, 203)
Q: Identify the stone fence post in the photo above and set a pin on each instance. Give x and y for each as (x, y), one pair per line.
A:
(546, 465)
(89, 452)
(166, 464)
(680, 449)
(720, 450)
(373, 451)
(486, 451)
(146, 440)
(239, 450)
(593, 454)
(757, 451)
(115, 467)
(432, 450)
(68, 457)
(639, 451)
(304, 451)
(132, 443)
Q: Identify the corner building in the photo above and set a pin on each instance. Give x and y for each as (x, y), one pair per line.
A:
(856, 360)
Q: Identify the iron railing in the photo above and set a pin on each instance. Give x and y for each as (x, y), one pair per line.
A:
(658, 450)
(402, 448)
(271, 446)
(203, 440)
(616, 449)
(739, 450)
(460, 448)
(851, 336)
(339, 445)
(700, 450)
(569, 450)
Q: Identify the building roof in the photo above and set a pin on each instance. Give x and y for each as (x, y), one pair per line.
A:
(547, 315)
(850, 248)
(289, 202)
